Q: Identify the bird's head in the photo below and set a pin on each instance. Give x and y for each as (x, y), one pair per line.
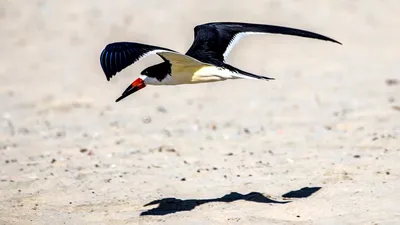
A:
(149, 76)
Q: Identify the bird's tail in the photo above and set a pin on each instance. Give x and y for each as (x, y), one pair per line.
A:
(246, 75)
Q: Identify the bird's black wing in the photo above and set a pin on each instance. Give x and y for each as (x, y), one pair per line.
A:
(119, 55)
(213, 41)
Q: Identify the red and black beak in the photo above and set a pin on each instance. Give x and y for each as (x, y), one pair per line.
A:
(134, 87)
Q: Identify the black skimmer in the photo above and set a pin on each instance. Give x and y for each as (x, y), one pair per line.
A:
(203, 62)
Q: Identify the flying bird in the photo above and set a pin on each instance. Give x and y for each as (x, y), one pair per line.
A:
(203, 62)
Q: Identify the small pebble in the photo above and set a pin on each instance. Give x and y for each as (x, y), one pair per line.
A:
(271, 152)
(161, 109)
(146, 120)
(118, 142)
(391, 82)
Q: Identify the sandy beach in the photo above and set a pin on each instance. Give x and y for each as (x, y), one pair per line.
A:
(233, 152)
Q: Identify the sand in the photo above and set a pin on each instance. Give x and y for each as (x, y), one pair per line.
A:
(331, 119)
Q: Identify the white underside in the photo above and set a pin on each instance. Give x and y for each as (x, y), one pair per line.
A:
(204, 75)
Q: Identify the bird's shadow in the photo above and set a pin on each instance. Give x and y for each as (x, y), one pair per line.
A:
(173, 205)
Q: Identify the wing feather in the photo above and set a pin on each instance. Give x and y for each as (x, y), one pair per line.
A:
(119, 55)
(213, 41)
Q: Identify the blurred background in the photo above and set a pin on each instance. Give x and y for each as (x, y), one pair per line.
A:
(330, 118)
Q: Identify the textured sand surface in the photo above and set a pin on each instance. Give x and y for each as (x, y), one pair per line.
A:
(331, 119)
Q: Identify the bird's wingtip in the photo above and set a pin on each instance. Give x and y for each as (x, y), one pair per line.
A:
(268, 78)
(334, 41)
(337, 42)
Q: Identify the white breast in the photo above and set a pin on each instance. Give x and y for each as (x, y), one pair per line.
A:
(168, 80)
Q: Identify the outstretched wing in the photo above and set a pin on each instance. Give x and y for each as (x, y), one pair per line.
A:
(213, 41)
(119, 55)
